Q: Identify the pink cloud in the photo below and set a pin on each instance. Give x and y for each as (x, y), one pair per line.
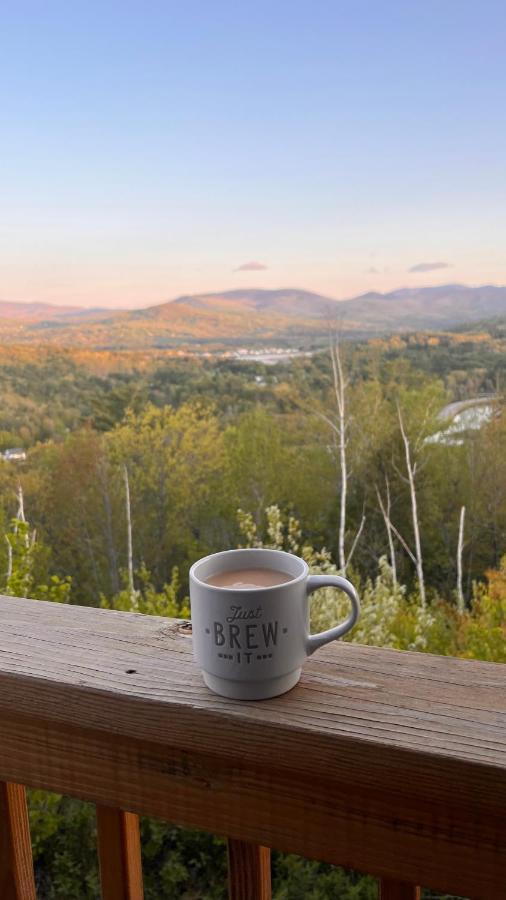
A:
(251, 267)
(429, 266)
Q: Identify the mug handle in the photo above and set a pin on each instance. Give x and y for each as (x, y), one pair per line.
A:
(314, 641)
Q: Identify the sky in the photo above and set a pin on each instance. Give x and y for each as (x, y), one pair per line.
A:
(153, 149)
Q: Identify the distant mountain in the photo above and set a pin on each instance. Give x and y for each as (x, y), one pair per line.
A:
(288, 302)
(443, 306)
(253, 316)
(43, 312)
(33, 312)
(426, 307)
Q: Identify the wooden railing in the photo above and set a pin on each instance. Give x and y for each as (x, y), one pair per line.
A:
(390, 763)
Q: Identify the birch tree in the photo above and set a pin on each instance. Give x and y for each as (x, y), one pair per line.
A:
(102, 474)
(410, 479)
(130, 565)
(25, 555)
(340, 386)
(340, 427)
(20, 515)
(460, 547)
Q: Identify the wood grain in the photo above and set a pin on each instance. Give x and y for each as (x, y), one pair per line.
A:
(16, 866)
(249, 871)
(397, 890)
(119, 854)
(387, 762)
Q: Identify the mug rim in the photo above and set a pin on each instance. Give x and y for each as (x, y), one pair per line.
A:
(270, 587)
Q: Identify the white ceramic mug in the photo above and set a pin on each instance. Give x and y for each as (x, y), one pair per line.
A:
(250, 643)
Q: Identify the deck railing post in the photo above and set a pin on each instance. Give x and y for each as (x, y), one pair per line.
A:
(249, 871)
(16, 865)
(390, 889)
(119, 853)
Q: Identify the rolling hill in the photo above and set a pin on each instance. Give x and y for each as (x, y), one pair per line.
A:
(34, 312)
(248, 316)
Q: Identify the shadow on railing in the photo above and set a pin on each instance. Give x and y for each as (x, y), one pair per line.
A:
(386, 762)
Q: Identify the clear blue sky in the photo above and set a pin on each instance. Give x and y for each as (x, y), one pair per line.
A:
(152, 149)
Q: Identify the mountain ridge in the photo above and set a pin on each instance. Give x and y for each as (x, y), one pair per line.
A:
(255, 315)
(40, 311)
(285, 301)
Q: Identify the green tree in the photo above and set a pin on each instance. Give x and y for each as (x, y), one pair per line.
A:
(176, 465)
(26, 574)
(146, 599)
(389, 617)
(78, 507)
(483, 630)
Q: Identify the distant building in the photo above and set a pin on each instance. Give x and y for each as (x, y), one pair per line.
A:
(14, 454)
(462, 418)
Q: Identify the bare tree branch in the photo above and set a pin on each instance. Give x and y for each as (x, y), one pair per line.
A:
(401, 539)
(340, 385)
(414, 509)
(399, 473)
(404, 544)
(327, 421)
(388, 525)
(339, 428)
(421, 436)
(356, 540)
(460, 547)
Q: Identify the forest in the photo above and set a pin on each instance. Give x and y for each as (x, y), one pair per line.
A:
(343, 457)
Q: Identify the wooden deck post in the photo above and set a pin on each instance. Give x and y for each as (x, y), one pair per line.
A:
(249, 871)
(16, 865)
(390, 889)
(119, 853)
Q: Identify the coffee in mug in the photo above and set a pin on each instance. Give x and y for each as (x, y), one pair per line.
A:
(250, 620)
(242, 579)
